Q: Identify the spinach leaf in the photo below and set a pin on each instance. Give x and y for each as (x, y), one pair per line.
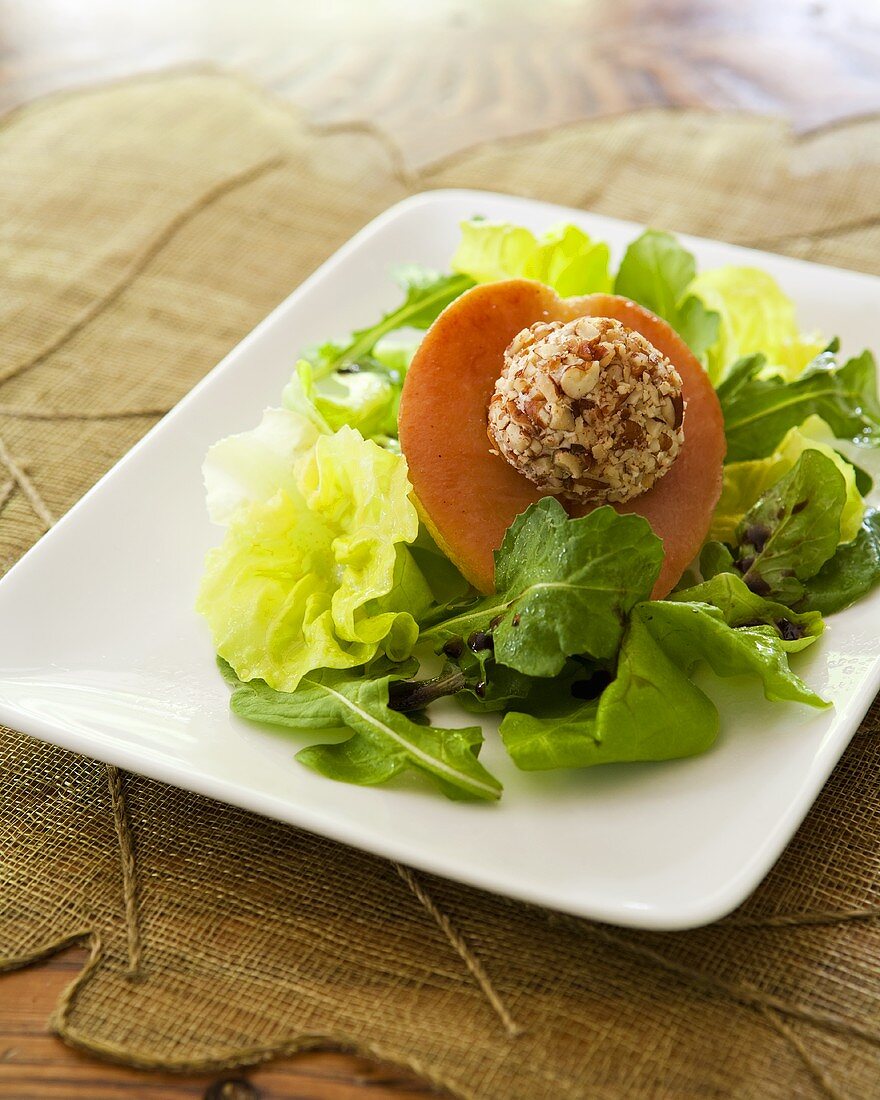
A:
(759, 411)
(428, 293)
(793, 529)
(853, 571)
(564, 586)
(655, 272)
(383, 741)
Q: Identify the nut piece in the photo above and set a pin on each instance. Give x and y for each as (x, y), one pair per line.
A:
(587, 409)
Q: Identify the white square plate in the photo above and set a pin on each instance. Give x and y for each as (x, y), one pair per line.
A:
(101, 651)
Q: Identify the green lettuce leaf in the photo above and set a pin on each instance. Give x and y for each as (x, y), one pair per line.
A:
(759, 411)
(850, 574)
(564, 258)
(740, 607)
(744, 482)
(314, 571)
(651, 710)
(428, 293)
(657, 271)
(756, 316)
(383, 742)
(793, 529)
(563, 586)
(366, 400)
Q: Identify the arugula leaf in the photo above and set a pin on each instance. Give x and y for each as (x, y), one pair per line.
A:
(564, 586)
(740, 607)
(656, 271)
(651, 710)
(759, 411)
(740, 372)
(383, 741)
(793, 529)
(853, 571)
(564, 258)
(428, 293)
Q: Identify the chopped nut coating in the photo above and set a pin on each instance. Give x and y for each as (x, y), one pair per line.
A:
(587, 409)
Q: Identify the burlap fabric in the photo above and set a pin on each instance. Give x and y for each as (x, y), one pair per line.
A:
(145, 229)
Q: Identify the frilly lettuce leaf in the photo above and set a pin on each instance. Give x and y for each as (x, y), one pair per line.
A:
(756, 316)
(253, 465)
(657, 271)
(564, 258)
(314, 571)
(744, 482)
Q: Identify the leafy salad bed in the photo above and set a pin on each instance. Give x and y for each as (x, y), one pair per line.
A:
(326, 591)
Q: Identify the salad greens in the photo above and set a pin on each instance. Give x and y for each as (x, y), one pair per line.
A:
(756, 316)
(427, 292)
(325, 583)
(759, 410)
(382, 742)
(564, 258)
(744, 482)
(564, 586)
(657, 272)
(314, 570)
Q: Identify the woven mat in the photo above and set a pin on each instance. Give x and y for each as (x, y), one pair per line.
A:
(145, 229)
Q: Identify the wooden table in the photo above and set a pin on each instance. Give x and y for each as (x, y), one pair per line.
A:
(434, 76)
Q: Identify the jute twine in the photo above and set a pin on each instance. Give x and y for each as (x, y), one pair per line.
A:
(146, 228)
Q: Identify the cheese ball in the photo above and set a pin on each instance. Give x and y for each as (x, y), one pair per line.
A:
(587, 409)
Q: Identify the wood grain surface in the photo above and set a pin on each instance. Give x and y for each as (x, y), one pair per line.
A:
(439, 75)
(434, 77)
(36, 1066)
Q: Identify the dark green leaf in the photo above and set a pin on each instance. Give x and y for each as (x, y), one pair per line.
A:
(428, 293)
(655, 272)
(759, 412)
(742, 371)
(383, 742)
(564, 586)
(853, 571)
(793, 529)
